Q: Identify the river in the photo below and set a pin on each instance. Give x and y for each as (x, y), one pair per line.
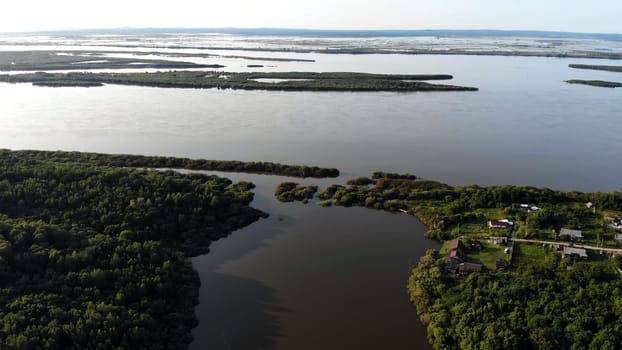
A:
(313, 277)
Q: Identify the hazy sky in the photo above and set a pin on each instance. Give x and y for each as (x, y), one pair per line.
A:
(559, 15)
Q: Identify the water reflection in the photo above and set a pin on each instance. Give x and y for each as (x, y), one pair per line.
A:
(337, 276)
(239, 316)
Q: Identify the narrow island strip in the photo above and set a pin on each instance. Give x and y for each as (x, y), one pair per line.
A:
(597, 83)
(275, 81)
(140, 161)
(597, 67)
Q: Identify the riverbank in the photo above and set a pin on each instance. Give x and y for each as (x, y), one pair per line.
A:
(483, 223)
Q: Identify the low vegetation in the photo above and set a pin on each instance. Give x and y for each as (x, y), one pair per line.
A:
(360, 181)
(293, 81)
(139, 161)
(384, 175)
(291, 191)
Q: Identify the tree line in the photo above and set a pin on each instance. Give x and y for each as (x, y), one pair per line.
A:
(140, 161)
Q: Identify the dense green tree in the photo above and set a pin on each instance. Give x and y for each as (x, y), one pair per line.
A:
(96, 257)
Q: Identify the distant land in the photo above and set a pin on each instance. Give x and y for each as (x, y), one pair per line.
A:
(342, 33)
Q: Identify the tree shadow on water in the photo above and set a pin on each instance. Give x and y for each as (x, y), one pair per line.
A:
(236, 313)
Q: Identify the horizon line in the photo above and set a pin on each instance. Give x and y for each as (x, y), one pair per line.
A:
(301, 31)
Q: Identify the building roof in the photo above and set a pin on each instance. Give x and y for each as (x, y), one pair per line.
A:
(618, 237)
(456, 244)
(575, 251)
(470, 267)
(571, 233)
(455, 253)
(499, 223)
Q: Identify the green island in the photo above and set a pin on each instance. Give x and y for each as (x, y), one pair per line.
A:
(97, 256)
(140, 161)
(291, 191)
(520, 267)
(286, 81)
(50, 60)
(598, 83)
(597, 67)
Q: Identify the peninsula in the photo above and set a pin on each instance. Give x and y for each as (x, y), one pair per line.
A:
(514, 261)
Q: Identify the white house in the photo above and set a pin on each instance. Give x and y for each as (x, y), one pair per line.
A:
(572, 234)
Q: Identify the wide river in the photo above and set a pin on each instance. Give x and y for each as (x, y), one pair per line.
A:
(334, 278)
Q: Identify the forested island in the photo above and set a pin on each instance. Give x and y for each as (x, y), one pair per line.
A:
(140, 161)
(286, 81)
(520, 267)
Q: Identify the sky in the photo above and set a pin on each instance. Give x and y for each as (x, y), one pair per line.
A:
(596, 16)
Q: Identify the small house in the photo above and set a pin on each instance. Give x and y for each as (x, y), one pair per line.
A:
(618, 237)
(572, 234)
(456, 251)
(569, 251)
(468, 268)
(455, 255)
(499, 224)
(456, 244)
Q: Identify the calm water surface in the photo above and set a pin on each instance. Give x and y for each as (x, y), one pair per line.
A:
(312, 277)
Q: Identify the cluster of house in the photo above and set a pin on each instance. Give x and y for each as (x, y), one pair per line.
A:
(456, 260)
